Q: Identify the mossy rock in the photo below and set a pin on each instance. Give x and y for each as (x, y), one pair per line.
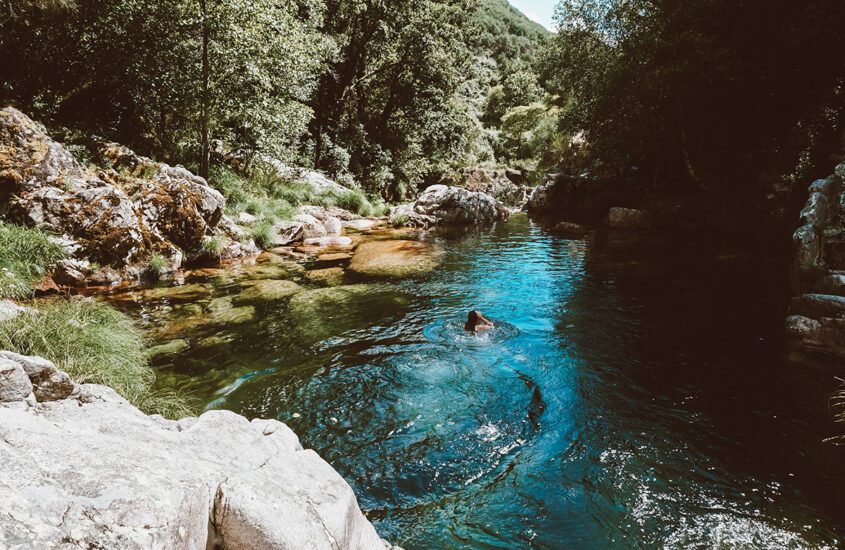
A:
(179, 293)
(266, 290)
(320, 313)
(273, 270)
(173, 347)
(330, 276)
(234, 316)
(220, 304)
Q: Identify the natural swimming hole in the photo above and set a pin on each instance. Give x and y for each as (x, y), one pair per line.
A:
(636, 395)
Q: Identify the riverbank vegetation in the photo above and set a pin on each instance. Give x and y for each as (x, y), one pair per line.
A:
(93, 343)
(26, 255)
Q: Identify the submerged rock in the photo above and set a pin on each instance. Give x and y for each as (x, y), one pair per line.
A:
(569, 228)
(273, 268)
(266, 290)
(89, 470)
(181, 293)
(394, 258)
(319, 313)
(441, 205)
(173, 347)
(233, 316)
(330, 276)
(626, 218)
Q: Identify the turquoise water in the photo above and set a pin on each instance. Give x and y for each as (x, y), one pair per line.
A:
(633, 395)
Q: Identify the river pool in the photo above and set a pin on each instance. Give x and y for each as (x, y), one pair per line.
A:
(635, 392)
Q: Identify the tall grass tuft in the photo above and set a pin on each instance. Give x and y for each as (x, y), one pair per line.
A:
(355, 201)
(25, 255)
(93, 343)
(262, 232)
(213, 246)
(156, 266)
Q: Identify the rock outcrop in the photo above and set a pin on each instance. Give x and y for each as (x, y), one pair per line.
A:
(118, 215)
(503, 185)
(82, 468)
(442, 205)
(817, 313)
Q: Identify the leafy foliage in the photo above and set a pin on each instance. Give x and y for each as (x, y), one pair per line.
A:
(133, 69)
(699, 94)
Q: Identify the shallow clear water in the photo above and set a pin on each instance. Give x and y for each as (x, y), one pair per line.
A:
(635, 395)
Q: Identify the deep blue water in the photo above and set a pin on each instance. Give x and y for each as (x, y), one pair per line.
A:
(637, 395)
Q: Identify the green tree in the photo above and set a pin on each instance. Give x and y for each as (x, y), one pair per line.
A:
(700, 94)
(388, 96)
(155, 73)
(518, 88)
(520, 122)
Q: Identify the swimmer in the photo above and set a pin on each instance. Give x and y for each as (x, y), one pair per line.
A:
(476, 322)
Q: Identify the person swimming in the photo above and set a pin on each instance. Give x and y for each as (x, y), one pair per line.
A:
(476, 322)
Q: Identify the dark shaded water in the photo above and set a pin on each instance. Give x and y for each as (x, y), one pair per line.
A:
(638, 396)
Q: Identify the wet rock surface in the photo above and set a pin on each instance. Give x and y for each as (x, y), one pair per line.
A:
(394, 259)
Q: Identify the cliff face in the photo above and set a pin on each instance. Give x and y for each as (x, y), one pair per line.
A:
(81, 467)
(817, 313)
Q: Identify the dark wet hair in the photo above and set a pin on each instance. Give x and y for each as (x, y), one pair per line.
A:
(472, 320)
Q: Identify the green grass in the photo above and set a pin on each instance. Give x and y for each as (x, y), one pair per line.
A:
(25, 255)
(93, 343)
(156, 265)
(271, 199)
(213, 246)
(399, 220)
(262, 233)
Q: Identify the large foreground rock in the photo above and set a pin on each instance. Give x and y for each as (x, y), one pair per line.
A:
(442, 205)
(92, 471)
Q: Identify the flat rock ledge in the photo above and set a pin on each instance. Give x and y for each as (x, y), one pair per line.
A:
(82, 468)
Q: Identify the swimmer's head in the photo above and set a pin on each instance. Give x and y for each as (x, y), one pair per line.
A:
(472, 319)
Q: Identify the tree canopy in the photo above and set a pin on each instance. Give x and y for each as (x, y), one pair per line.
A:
(704, 93)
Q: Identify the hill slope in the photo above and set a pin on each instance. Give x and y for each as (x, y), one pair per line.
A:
(507, 35)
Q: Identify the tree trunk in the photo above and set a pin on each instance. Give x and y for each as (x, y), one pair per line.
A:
(204, 102)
